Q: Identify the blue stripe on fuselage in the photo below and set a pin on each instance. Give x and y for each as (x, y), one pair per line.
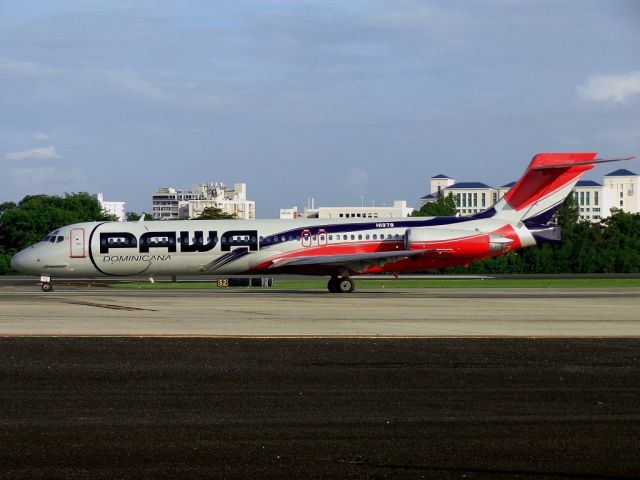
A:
(269, 240)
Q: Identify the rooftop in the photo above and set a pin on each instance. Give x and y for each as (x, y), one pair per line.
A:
(587, 183)
(508, 185)
(442, 176)
(468, 185)
(622, 172)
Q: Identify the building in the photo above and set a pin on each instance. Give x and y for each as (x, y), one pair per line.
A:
(399, 209)
(620, 190)
(289, 213)
(172, 204)
(112, 208)
(472, 197)
(588, 195)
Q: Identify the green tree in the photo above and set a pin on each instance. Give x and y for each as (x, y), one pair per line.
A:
(568, 215)
(214, 213)
(6, 206)
(133, 216)
(443, 206)
(36, 215)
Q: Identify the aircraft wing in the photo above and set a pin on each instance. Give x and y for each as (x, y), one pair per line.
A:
(357, 261)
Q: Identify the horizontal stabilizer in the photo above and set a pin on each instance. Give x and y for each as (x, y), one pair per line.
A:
(587, 162)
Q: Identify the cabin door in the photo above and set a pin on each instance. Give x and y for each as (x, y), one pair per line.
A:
(76, 238)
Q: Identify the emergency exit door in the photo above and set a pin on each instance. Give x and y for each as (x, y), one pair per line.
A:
(76, 237)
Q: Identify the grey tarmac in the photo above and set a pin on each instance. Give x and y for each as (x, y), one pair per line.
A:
(528, 384)
(99, 311)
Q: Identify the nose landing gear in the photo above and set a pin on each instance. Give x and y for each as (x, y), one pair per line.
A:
(340, 285)
(46, 284)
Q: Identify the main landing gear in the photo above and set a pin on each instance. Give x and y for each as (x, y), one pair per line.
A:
(340, 285)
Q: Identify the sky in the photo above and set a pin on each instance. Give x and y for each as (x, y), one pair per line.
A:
(345, 101)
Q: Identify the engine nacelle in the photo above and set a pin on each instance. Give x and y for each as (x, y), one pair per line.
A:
(456, 242)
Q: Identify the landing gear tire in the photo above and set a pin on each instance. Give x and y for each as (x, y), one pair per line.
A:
(345, 285)
(340, 285)
(333, 285)
(47, 287)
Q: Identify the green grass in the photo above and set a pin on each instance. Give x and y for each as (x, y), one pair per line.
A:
(363, 284)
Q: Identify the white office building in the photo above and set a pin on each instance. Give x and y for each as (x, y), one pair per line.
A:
(399, 209)
(112, 208)
(588, 195)
(620, 190)
(172, 204)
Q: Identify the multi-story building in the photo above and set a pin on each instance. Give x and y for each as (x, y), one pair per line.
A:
(471, 197)
(171, 204)
(620, 191)
(399, 209)
(112, 208)
(595, 201)
(588, 195)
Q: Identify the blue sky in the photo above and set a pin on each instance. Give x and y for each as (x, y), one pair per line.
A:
(335, 100)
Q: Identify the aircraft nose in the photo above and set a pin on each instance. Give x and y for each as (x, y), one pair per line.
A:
(22, 262)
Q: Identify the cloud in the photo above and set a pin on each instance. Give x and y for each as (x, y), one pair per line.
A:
(415, 15)
(356, 180)
(48, 178)
(40, 136)
(167, 94)
(31, 69)
(133, 83)
(39, 153)
(611, 88)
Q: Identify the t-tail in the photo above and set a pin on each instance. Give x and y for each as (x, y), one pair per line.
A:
(546, 183)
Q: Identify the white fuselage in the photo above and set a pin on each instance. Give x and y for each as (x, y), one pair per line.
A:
(199, 247)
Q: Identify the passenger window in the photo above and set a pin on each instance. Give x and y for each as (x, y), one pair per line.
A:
(330, 237)
(375, 236)
(366, 237)
(344, 237)
(353, 237)
(359, 237)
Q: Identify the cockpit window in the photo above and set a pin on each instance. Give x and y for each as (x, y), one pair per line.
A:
(60, 238)
(51, 237)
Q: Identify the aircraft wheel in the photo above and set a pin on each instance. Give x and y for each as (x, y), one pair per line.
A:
(332, 285)
(345, 285)
(47, 287)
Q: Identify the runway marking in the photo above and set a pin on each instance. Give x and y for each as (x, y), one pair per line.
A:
(107, 305)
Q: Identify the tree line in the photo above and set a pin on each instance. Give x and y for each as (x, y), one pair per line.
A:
(611, 246)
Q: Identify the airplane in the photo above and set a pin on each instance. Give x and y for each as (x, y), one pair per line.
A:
(338, 248)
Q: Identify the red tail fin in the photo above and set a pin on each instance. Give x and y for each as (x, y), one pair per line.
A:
(546, 175)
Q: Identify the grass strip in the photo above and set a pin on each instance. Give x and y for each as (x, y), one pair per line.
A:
(363, 284)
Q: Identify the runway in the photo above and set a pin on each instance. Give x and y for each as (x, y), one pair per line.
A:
(574, 312)
(416, 383)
